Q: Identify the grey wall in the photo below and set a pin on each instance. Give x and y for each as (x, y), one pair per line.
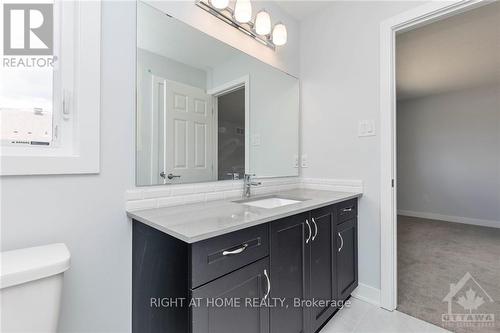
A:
(87, 212)
(340, 77)
(449, 154)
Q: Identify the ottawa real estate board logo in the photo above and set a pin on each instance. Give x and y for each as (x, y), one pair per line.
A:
(467, 301)
(28, 35)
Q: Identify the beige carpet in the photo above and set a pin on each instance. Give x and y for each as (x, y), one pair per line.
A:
(432, 255)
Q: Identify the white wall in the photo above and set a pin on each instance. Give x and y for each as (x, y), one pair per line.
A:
(449, 154)
(87, 212)
(274, 114)
(340, 86)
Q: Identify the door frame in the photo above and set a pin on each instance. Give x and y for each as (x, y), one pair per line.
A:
(225, 88)
(405, 21)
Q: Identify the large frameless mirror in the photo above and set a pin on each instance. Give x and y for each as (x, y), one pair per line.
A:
(207, 111)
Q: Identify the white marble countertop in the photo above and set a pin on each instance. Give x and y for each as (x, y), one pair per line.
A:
(195, 222)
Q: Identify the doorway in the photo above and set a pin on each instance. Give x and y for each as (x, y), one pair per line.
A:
(231, 134)
(406, 21)
(448, 170)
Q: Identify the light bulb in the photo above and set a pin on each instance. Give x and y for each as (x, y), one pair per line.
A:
(279, 34)
(243, 11)
(219, 4)
(263, 23)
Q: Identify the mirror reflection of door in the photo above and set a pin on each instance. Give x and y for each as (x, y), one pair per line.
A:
(186, 115)
(231, 134)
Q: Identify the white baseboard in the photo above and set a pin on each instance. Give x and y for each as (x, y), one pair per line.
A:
(367, 293)
(447, 218)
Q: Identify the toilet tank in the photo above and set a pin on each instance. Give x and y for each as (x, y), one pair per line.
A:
(30, 288)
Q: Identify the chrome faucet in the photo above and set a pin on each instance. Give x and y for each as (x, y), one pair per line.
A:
(248, 183)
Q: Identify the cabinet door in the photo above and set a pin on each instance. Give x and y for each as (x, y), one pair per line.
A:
(290, 273)
(323, 265)
(347, 257)
(249, 282)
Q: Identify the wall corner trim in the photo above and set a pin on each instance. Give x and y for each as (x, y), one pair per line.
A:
(367, 293)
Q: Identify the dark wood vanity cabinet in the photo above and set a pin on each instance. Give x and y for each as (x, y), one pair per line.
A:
(290, 264)
(303, 259)
(249, 282)
(323, 265)
(347, 248)
(314, 258)
(347, 258)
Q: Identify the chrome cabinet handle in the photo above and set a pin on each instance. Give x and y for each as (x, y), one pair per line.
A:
(310, 231)
(315, 229)
(238, 250)
(347, 210)
(341, 241)
(268, 285)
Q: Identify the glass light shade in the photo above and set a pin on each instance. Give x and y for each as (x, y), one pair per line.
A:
(279, 34)
(219, 4)
(243, 11)
(263, 23)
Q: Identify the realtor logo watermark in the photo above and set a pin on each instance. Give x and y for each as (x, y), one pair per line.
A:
(465, 299)
(28, 35)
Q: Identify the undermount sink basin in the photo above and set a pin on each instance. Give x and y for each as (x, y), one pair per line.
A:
(269, 202)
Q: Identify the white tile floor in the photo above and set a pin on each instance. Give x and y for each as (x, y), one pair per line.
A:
(362, 317)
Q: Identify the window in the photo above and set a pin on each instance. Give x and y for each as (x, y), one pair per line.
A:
(49, 88)
(26, 112)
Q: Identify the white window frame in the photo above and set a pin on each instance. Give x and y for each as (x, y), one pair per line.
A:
(77, 139)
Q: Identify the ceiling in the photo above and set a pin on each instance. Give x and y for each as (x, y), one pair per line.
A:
(300, 9)
(456, 53)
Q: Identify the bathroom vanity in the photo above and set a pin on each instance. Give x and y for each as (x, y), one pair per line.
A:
(207, 112)
(227, 266)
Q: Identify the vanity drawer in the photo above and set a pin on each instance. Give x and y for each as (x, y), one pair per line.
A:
(347, 210)
(220, 255)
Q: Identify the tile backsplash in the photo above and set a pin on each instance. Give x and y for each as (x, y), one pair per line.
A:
(174, 195)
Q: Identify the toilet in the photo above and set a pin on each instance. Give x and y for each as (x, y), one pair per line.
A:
(30, 288)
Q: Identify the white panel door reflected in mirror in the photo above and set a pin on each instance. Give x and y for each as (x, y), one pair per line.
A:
(207, 111)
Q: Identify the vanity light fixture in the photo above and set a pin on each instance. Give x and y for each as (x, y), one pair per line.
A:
(279, 34)
(240, 17)
(263, 23)
(219, 4)
(243, 11)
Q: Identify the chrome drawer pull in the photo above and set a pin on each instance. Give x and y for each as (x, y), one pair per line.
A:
(347, 210)
(341, 241)
(268, 285)
(237, 251)
(315, 229)
(310, 231)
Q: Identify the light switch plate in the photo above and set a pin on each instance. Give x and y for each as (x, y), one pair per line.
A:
(304, 161)
(366, 128)
(256, 140)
